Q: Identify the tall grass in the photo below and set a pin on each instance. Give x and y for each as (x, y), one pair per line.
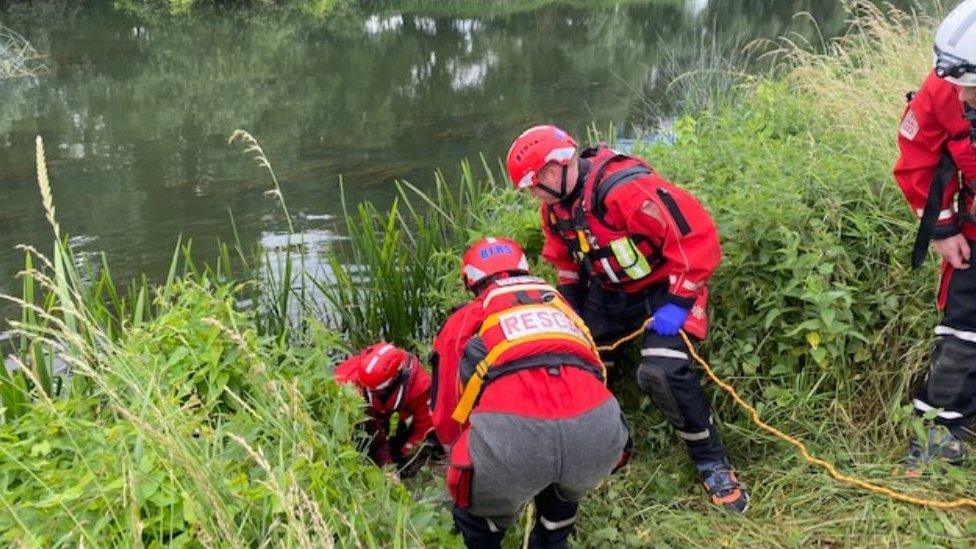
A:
(183, 426)
(398, 273)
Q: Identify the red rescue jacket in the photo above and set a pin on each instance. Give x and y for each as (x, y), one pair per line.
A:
(534, 355)
(622, 196)
(932, 123)
(409, 401)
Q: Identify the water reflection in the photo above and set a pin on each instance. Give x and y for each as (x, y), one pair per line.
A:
(136, 109)
(306, 253)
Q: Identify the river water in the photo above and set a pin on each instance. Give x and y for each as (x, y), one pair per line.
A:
(136, 106)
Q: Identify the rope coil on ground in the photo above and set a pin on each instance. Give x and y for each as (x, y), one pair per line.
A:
(810, 458)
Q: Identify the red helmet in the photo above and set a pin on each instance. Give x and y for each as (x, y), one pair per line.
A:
(536, 147)
(490, 256)
(381, 366)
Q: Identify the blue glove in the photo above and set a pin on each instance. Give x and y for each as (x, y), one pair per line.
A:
(669, 319)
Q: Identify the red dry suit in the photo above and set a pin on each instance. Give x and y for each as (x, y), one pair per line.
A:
(409, 401)
(622, 196)
(537, 362)
(931, 123)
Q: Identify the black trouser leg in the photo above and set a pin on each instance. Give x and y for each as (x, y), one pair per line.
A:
(665, 374)
(554, 520)
(478, 532)
(950, 386)
(611, 316)
(614, 362)
(665, 369)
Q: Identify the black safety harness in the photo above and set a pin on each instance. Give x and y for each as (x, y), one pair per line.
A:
(944, 173)
(595, 203)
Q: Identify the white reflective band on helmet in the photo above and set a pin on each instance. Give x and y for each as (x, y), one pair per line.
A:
(963, 26)
(473, 274)
(527, 180)
(607, 269)
(572, 275)
(664, 352)
(958, 334)
(562, 156)
(383, 385)
(923, 407)
(556, 524)
(693, 437)
(381, 352)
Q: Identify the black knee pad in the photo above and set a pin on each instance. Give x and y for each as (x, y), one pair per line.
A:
(652, 378)
(953, 372)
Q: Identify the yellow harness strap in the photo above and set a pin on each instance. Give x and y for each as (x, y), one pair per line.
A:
(471, 392)
(561, 304)
(584, 243)
(474, 386)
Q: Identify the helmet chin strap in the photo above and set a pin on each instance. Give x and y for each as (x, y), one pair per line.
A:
(561, 193)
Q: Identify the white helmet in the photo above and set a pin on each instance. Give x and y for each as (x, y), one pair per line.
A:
(955, 45)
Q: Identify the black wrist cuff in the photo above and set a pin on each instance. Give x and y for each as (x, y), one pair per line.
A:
(945, 231)
(685, 302)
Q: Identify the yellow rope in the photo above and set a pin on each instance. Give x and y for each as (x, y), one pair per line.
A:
(632, 335)
(827, 466)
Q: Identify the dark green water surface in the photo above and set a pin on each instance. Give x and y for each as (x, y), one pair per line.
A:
(136, 107)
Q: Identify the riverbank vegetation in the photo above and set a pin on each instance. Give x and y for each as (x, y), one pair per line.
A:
(194, 417)
(180, 423)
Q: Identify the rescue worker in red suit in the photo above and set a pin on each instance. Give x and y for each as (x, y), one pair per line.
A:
(519, 399)
(936, 171)
(392, 382)
(627, 244)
